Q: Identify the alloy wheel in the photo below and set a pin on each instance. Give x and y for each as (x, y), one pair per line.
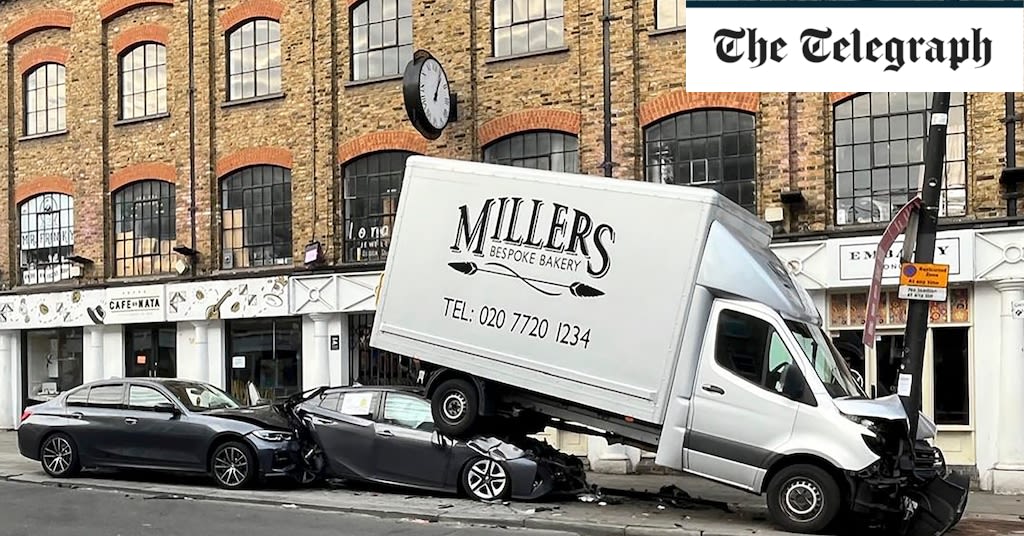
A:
(58, 455)
(230, 466)
(486, 479)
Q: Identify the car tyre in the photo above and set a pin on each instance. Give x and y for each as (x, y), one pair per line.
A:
(486, 480)
(803, 498)
(454, 407)
(59, 456)
(233, 465)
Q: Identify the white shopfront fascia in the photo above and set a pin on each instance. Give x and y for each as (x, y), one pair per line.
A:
(199, 309)
(992, 262)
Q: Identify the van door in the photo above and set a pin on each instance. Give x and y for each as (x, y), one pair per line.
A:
(740, 418)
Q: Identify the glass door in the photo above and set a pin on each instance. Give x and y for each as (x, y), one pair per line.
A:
(151, 350)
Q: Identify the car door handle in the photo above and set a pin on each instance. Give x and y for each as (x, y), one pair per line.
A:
(385, 433)
(130, 420)
(713, 388)
(77, 415)
(320, 420)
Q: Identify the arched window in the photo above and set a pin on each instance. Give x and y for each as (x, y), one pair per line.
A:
(879, 155)
(553, 151)
(144, 232)
(381, 38)
(47, 238)
(254, 59)
(710, 148)
(521, 27)
(256, 217)
(144, 81)
(45, 100)
(371, 188)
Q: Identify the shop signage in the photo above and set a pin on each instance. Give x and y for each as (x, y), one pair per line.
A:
(132, 305)
(335, 343)
(217, 300)
(75, 308)
(857, 261)
(923, 281)
(1017, 309)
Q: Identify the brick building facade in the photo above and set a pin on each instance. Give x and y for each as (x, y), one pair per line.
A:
(245, 129)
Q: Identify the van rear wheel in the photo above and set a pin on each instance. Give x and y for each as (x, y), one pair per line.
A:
(803, 498)
(454, 407)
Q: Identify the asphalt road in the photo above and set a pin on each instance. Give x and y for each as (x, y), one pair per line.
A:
(32, 510)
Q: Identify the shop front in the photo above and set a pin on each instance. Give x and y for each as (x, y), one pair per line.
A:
(970, 336)
(51, 362)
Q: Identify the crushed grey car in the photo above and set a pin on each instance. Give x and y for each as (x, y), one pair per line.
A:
(386, 435)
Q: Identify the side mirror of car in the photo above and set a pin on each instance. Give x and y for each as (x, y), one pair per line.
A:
(858, 378)
(793, 384)
(438, 440)
(167, 407)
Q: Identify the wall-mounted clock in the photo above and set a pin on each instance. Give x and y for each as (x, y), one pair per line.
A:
(428, 100)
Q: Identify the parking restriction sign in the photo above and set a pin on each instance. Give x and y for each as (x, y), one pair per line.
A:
(922, 281)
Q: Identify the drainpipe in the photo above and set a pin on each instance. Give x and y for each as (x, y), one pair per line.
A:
(1011, 153)
(192, 135)
(606, 20)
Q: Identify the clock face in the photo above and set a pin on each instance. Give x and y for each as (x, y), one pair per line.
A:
(435, 98)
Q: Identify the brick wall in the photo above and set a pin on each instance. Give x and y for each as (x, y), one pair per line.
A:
(321, 120)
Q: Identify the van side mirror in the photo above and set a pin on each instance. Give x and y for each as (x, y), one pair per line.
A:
(858, 378)
(793, 384)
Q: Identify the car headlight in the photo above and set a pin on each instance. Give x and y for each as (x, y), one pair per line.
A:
(272, 435)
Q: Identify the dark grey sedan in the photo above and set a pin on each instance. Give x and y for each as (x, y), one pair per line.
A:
(162, 424)
(386, 435)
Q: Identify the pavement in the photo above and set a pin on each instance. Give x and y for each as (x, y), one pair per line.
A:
(986, 513)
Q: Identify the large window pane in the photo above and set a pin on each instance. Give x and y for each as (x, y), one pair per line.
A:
(144, 228)
(381, 32)
(371, 187)
(45, 99)
(887, 132)
(553, 151)
(144, 81)
(267, 352)
(47, 238)
(256, 206)
(254, 69)
(709, 148)
(522, 26)
(669, 14)
(952, 385)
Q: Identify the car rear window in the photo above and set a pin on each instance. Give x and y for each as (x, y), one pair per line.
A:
(106, 395)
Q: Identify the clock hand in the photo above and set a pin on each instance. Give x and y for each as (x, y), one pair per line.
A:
(438, 89)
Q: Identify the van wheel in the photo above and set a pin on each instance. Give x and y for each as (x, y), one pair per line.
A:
(454, 407)
(803, 498)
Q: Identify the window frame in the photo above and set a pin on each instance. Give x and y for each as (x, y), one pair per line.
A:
(165, 192)
(267, 190)
(62, 104)
(381, 418)
(229, 74)
(369, 48)
(62, 265)
(722, 159)
(161, 49)
(680, 16)
(351, 176)
(523, 138)
(959, 102)
(546, 18)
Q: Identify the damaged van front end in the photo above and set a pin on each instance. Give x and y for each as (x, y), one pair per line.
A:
(909, 488)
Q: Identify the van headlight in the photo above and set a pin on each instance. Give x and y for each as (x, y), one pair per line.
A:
(272, 435)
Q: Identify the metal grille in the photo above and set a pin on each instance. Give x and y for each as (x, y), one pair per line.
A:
(144, 231)
(370, 366)
(47, 238)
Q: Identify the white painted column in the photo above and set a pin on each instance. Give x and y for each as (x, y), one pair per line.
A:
(92, 354)
(318, 369)
(7, 394)
(1008, 474)
(202, 342)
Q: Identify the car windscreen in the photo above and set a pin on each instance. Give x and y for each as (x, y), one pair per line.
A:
(201, 396)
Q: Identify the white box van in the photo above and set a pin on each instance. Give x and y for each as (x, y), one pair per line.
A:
(656, 313)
